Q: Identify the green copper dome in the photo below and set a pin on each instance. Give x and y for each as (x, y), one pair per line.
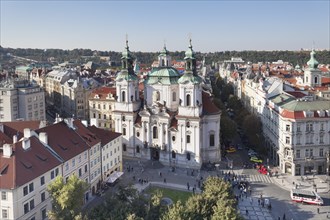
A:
(124, 75)
(163, 75)
(189, 77)
(312, 63)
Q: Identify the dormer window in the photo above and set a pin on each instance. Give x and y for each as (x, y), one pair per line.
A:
(308, 114)
(96, 96)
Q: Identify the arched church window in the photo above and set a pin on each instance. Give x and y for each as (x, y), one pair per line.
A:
(123, 96)
(137, 149)
(188, 139)
(315, 80)
(124, 147)
(188, 100)
(211, 140)
(155, 132)
(163, 62)
(174, 96)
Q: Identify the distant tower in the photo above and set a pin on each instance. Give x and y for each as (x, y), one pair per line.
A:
(164, 58)
(312, 75)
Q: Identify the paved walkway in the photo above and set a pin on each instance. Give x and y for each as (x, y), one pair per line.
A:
(289, 182)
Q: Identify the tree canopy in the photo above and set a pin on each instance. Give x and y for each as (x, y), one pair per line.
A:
(67, 198)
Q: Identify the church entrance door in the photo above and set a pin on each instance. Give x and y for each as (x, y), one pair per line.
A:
(154, 154)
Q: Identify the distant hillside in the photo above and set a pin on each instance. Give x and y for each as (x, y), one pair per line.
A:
(81, 55)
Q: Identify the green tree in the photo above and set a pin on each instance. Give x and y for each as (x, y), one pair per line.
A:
(67, 198)
(215, 202)
(228, 128)
(155, 205)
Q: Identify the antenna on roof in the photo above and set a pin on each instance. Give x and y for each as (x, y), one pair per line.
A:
(126, 40)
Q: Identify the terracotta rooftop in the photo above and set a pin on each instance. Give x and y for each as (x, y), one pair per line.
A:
(104, 135)
(209, 108)
(89, 137)
(68, 147)
(25, 165)
(103, 92)
(17, 127)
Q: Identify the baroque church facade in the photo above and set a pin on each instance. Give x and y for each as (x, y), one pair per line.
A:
(173, 120)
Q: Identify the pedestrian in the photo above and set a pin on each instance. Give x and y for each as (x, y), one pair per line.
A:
(246, 211)
(251, 200)
(284, 216)
(188, 186)
(258, 201)
(318, 210)
(164, 180)
(193, 190)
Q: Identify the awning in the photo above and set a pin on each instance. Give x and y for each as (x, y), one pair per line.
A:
(114, 176)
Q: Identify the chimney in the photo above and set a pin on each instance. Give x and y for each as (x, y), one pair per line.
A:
(84, 122)
(69, 122)
(7, 150)
(14, 139)
(27, 132)
(43, 137)
(26, 143)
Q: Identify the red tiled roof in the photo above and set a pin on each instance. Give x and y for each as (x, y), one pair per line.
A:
(209, 108)
(17, 127)
(85, 133)
(25, 165)
(105, 135)
(296, 94)
(68, 147)
(103, 92)
(5, 139)
(292, 114)
(325, 80)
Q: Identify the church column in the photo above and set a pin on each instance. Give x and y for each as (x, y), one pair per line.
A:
(143, 132)
(148, 132)
(198, 144)
(161, 135)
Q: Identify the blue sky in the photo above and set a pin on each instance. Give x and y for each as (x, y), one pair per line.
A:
(212, 25)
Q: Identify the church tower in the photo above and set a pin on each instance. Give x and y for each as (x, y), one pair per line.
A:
(127, 101)
(190, 111)
(312, 75)
(190, 87)
(164, 58)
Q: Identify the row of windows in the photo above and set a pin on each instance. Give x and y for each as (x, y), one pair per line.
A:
(104, 116)
(104, 106)
(309, 153)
